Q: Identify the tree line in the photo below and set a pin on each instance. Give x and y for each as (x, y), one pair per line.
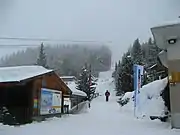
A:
(145, 54)
(64, 59)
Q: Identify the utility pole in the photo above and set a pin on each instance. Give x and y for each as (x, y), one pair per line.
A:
(89, 84)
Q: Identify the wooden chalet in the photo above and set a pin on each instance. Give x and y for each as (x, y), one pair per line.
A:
(21, 92)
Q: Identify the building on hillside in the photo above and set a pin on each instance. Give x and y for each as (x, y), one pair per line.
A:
(75, 98)
(31, 92)
(152, 54)
(157, 71)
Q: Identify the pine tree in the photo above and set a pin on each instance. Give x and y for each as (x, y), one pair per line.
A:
(127, 73)
(116, 66)
(83, 83)
(115, 72)
(42, 61)
(137, 54)
(150, 41)
(118, 80)
(124, 75)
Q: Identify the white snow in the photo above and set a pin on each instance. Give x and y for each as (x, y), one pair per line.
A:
(19, 73)
(105, 82)
(149, 103)
(66, 77)
(127, 95)
(103, 118)
(72, 86)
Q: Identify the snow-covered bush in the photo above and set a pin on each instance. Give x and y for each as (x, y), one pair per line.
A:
(123, 100)
(6, 118)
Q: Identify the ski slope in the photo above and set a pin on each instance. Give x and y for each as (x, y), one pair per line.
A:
(103, 118)
(105, 82)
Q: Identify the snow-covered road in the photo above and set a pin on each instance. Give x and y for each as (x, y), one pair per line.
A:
(103, 118)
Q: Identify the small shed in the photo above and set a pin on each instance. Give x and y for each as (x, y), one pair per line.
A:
(31, 92)
(67, 79)
(76, 97)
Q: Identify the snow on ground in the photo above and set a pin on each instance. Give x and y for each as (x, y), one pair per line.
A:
(103, 118)
(149, 103)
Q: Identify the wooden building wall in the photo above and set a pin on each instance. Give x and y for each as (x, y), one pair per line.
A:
(28, 91)
(49, 81)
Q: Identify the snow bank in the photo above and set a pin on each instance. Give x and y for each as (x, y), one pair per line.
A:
(149, 101)
(127, 95)
(80, 108)
(72, 86)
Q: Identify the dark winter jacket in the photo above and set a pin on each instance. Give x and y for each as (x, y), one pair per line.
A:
(107, 94)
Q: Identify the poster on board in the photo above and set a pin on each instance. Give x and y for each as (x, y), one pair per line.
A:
(50, 101)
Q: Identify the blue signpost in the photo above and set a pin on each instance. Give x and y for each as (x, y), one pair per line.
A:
(138, 72)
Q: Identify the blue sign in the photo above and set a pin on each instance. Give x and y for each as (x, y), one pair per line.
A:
(46, 101)
(138, 72)
(46, 98)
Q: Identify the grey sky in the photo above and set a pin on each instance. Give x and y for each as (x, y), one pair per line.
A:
(119, 21)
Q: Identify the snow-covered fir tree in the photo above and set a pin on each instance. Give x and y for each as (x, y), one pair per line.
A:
(136, 53)
(117, 79)
(42, 61)
(6, 118)
(114, 73)
(86, 82)
(124, 75)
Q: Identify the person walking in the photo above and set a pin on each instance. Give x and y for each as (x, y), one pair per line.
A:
(107, 94)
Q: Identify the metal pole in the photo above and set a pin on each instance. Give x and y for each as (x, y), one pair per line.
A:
(89, 84)
(89, 80)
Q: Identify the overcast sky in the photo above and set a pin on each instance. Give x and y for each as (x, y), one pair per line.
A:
(119, 21)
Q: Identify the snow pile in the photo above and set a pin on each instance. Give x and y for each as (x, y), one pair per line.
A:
(72, 86)
(85, 107)
(127, 95)
(149, 101)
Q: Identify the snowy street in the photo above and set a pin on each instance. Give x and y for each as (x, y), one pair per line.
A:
(103, 118)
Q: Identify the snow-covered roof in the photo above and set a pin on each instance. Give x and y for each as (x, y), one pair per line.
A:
(19, 73)
(72, 87)
(168, 23)
(66, 77)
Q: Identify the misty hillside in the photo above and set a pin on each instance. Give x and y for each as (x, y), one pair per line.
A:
(65, 59)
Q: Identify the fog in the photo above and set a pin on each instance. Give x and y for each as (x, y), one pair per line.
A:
(118, 21)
